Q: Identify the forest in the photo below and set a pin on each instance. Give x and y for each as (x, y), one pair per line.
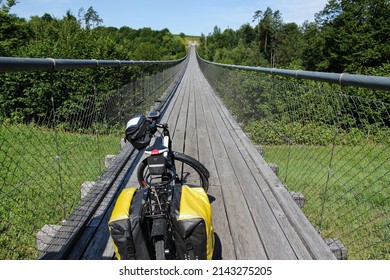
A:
(347, 36)
(82, 37)
(27, 96)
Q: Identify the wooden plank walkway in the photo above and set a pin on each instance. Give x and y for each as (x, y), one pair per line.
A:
(254, 216)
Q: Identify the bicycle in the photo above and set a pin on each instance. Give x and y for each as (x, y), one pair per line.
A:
(159, 175)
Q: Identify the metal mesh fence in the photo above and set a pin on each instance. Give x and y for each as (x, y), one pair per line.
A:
(330, 146)
(55, 134)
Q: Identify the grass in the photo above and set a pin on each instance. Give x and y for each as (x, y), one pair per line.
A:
(346, 191)
(40, 178)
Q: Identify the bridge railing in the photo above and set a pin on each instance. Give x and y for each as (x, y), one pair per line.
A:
(328, 143)
(59, 119)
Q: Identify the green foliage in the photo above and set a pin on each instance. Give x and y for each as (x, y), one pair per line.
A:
(269, 43)
(356, 35)
(347, 36)
(13, 34)
(27, 96)
(283, 111)
(6, 5)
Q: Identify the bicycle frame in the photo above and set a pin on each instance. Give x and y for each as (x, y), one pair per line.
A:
(159, 164)
(157, 176)
(159, 155)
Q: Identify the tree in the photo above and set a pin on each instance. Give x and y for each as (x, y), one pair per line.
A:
(246, 33)
(91, 18)
(13, 30)
(288, 51)
(269, 27)
(313, 49)
(7, 5)
(257, 17)
(356, 34)
(229, 38)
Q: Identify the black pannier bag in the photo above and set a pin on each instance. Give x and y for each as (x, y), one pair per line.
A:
(192, 223)
(137, 132)
(127, 228)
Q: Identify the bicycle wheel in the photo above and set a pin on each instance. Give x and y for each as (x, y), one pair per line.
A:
(189, 171)
(159, 247)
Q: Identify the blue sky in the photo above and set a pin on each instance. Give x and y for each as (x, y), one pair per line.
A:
(187, 16)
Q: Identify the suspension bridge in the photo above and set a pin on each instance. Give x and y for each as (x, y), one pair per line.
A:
(255, 214)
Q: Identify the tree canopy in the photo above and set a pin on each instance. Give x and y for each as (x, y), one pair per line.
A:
(347, 36)
(27, 96)
(356, 35)
(83, 37)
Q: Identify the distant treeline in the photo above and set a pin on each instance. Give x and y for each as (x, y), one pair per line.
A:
(28, 96)
(347, 36)
(83, 37)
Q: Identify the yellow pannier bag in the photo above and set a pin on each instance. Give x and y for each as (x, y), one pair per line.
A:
(192, 223)
(126, 227)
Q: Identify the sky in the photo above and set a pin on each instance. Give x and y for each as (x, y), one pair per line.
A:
(191, 17)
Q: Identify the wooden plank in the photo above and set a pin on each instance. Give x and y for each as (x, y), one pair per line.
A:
(308, 236)
(247, 246)
(178, 134)
(206, 153)
(274, 241)
(294, 239)
(196, 125)
(247, 243)
(223, 249)
(191, 142)
(191, 129)
(267, 215)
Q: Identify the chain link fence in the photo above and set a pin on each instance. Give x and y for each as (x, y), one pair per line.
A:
(56, 130)
(329, 146)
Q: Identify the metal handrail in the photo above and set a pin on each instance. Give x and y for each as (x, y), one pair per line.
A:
(14, 64)
(343, 79)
